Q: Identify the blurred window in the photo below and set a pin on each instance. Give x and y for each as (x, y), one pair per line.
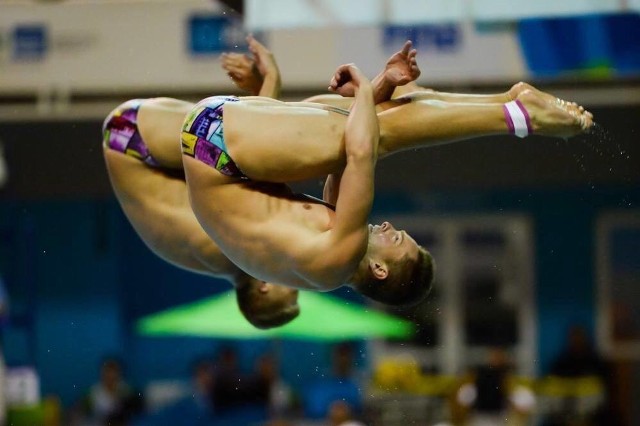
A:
(482, 297)
(619, 279)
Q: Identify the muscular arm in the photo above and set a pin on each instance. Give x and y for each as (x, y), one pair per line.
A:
(356, 186)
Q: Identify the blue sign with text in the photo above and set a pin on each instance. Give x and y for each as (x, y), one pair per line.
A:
(29, 42)
(440, 37)
(214, 34)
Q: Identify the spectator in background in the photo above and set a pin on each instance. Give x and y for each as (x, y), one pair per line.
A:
(242, 399)
(270, 388)
(343, 361)
(340, 385)
(491, 385)
(340, 414)
(579, 359)
(194, 409)
(202, 379)
(227, 387)
(488, 397)
(111, 401)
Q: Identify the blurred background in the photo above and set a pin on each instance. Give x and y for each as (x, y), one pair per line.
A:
(535, 317)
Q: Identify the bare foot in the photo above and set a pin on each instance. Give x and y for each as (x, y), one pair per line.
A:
(550, 118)
(573, 107)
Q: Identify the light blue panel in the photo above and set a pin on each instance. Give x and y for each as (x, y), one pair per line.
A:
(497, 10)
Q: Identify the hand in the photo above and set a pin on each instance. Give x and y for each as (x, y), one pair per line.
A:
(243, 72)
(402, 66)
(265, 62)
(346, 80)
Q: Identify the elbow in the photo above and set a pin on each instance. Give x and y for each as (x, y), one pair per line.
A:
(360, 154)
(364, 148)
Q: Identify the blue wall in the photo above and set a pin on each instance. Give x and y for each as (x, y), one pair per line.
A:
(92, 277)
(66, 299)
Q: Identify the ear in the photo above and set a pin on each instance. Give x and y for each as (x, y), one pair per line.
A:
(378, 269)
(264, 287)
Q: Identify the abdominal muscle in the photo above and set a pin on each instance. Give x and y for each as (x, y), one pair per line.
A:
(281, 142)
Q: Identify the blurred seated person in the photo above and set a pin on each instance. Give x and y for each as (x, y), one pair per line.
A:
(488, 396)
(226, 391)
(491, 385)
(341, 384)
(269, 389)
(238, 398)
(579, 359)
(195, 409)
(340, 414)
(109, 402)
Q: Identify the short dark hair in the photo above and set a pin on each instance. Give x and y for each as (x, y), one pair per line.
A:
(261, 313)
(407, 284)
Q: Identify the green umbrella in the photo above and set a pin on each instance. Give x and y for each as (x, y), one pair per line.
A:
(322, 318)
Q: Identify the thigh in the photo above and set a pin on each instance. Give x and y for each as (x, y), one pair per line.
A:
(159, 123)
(283, 142)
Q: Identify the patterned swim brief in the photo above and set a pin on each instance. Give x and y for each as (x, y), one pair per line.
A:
(120, 132)
(203, 136)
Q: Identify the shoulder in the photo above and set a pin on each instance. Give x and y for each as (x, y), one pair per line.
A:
(330, 262)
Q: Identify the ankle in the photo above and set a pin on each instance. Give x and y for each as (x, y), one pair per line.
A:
(517, 119)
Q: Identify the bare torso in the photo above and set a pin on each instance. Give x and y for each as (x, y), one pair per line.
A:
(267, 221)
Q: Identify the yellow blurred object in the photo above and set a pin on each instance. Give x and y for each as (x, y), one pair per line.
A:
(403, 374)
(396, 374)
(573, 387)
(47, 413)
(52, 411)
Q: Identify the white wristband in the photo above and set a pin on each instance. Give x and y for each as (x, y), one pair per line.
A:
(517, 118)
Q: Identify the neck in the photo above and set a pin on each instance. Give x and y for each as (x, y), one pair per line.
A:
(356, 278)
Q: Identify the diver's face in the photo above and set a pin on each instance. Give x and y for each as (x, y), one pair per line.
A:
(391, 244)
